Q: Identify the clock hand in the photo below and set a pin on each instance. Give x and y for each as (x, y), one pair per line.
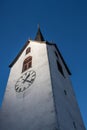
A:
(26, 78)
(28, 81)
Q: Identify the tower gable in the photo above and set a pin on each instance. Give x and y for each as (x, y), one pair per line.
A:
(42, 42)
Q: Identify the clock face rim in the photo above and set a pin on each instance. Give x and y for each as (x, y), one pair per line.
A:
(20, 83)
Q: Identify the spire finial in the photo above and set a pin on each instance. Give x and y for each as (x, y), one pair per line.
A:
(39, 36)
(38, 26)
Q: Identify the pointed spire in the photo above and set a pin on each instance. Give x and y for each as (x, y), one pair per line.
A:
(39, 36)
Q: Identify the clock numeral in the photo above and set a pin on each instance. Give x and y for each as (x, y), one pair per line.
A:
(19, 90)
(32, 80)
(32, 72)
(16, 88)
(17, 83)
(33, 75)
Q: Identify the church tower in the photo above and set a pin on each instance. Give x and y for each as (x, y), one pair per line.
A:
(39, 93)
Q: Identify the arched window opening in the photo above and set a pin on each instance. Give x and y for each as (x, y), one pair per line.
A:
(74, 124)
(27, 63)
(65, 92)
(28, 50)
(60, 68)
(56, 54)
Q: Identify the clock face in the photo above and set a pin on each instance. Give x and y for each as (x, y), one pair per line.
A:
(25, 81)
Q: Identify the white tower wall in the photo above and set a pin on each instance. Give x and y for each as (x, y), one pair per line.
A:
(34, 109)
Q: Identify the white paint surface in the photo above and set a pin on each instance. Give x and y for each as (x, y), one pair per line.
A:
(34, 109)
(44, 106)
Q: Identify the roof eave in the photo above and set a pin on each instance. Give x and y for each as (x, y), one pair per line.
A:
(14, 61)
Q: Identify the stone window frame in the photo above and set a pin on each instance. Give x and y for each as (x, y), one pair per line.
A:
(28, 50)
(27, 63)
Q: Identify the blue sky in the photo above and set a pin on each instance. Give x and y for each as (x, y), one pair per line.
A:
(63, 22)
